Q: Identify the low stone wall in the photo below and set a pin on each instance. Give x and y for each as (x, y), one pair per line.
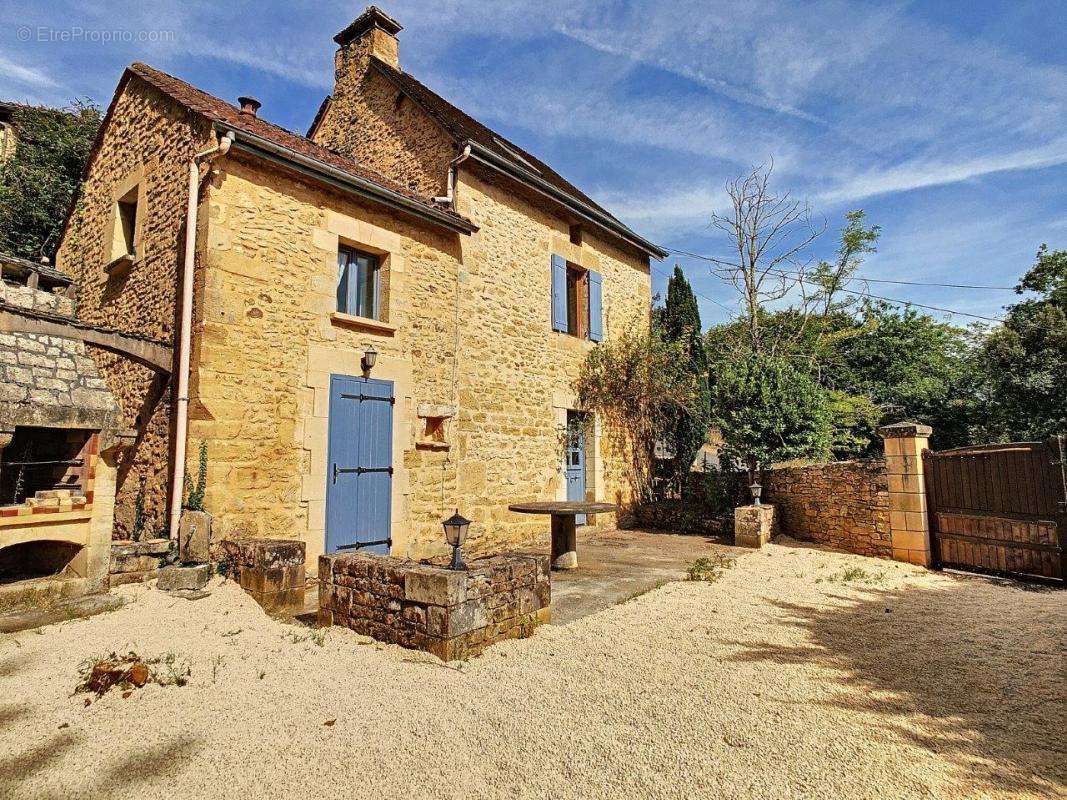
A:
(844, 504)
(270, 570)
(135, 562)
(452, 614)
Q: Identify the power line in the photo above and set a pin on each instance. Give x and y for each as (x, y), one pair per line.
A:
(800, 279)
(877, 280)
(666, 274)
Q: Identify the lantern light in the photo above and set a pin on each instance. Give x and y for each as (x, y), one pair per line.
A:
(456, 534)
(756, 490)
(370, 358)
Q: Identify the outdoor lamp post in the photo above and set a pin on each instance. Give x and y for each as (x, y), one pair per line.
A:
(370, 358)
(455, 534)
(756, 490)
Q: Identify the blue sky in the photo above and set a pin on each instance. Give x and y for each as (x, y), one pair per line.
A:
(943, 120)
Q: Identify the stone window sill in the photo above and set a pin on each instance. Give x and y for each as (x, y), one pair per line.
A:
(432, 444)
(120, 265)
(364, 323)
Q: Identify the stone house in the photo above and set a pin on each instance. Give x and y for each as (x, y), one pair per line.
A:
(387, 314)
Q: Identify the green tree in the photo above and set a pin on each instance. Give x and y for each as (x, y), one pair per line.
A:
(637, 385)
(1023, 363)
(679, 321)
(39, 180)
(769, 411)
(909, 366)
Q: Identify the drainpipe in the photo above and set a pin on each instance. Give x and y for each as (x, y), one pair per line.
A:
(453, 166)
(181, 427)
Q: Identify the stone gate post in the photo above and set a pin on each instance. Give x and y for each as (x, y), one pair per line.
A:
(908, 521)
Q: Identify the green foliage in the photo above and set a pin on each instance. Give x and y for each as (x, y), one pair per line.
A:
(39, 180)
(856, 241)
(194, 498)
(769, 411)
(1023, 364)
(907, 366)
(708, 568)
(679, 323)
(636, 383)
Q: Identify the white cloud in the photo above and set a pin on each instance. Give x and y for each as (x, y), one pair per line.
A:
(25, 76)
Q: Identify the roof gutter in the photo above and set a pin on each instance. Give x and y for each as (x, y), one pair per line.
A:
(345, 181)
(485, 156)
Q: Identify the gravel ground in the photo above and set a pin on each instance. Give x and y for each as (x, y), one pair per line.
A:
(790, 677)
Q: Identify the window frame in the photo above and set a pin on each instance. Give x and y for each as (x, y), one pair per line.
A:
(352, 254)
(577, 301)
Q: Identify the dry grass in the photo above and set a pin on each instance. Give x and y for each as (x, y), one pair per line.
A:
(761, 684)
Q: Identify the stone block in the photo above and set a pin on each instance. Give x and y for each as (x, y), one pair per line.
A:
(754, 525)
(435, 587)
(264, 553)
(173, 579)
(194, 537)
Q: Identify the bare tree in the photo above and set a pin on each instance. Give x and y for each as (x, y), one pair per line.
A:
(771, 231)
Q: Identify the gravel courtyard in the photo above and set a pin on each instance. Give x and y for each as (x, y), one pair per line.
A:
(801, 673)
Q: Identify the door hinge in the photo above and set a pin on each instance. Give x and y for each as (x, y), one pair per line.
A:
(359, 470)
(359, 545)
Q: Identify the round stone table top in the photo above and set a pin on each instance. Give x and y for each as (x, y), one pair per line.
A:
(563, 507)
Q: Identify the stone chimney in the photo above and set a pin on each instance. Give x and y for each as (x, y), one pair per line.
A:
(372, 33)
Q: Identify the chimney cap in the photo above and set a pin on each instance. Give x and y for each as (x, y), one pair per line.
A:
(372, 17)
(249, 105)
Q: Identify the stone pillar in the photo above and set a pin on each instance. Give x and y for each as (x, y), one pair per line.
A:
(754, 525)
(909, 524)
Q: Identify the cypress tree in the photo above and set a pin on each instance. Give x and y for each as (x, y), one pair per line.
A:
(680, 323)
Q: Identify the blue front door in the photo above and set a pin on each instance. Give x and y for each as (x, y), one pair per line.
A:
(359, 469)
(576, 460)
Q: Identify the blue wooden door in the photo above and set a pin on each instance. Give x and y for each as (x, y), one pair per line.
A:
(359, 469)
(576, 461)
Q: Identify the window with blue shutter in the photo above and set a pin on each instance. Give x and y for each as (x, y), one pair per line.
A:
(596, 306)
(577, 301)
(559, 294)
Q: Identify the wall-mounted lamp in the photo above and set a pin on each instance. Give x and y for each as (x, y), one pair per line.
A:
(370, 358)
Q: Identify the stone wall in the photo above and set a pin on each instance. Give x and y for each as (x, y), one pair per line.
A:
(844, 505)
(148, 143)
(23, 296)
(268, 341)
(452, 614)
(369, 120)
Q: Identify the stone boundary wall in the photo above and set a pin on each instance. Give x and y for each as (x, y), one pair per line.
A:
(453, 614)
(843, 504)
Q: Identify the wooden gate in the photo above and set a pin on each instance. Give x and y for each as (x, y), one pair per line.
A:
(999, 508)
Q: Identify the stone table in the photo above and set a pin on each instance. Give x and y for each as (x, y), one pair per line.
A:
(564, 538)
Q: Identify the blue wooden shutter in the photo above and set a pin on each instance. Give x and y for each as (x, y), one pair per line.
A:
(596, 307)
(375, 454)
(559, 293)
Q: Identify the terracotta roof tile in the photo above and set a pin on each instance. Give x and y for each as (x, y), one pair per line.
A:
(230, 116)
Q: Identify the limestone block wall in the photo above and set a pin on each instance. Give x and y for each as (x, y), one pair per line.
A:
(148, 144)
(54, 302)
(517, 366)
(267, 340)
(844, 505)
(467, 329)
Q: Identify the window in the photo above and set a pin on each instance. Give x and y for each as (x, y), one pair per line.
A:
(124, 240)
(577, 300)
(358, 283)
